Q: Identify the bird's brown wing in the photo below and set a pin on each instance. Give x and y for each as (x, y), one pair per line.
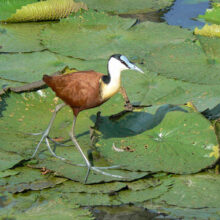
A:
(79, 90)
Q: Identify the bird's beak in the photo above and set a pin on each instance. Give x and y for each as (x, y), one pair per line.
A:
(133, 67)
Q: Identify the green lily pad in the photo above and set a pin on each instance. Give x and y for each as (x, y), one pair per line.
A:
(71, 186)
(46, 10)
(93, 35)
(34, 206)
(212, 15)
(187, 138)
(30, 112)
(25, 67)
(211, 46)
(127, 6)
(9, 7)
(7, 173)
(123, 196)
(154, 89)
(8, 83)
(77, 173)
(187, 191)
(144, 184)
(28, 179)
(185, 62)
(130, 196)
(23, 37)
(5, 163)
(29, 70)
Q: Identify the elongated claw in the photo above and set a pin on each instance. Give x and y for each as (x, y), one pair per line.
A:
(45, 134)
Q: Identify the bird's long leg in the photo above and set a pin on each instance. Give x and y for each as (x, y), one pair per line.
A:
(97, 169)
(46, 132)
(128, 105)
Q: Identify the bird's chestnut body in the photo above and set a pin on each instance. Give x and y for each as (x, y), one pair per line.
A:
(79, 90)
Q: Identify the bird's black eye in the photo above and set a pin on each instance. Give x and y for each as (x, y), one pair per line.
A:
(124, 63)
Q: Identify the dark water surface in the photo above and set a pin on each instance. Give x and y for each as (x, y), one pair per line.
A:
(184, 13)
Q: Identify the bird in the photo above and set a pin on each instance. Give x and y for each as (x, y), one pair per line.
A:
(84, 90)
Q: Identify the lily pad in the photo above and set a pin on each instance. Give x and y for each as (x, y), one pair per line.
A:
(28, 179)
(35, 207)
(31, 112)
(187, 191)
(93, 35)
(212, 15)
(211, 46)
(5, 163)
(29, 70)
(24, 67)
(130, 196)
(127, 6)
(7, 173)
(71, 171)
(124, 196)
(185, 62)
(71, 186)
(23, 37)
(154, 89)
(9, 7)
(208, 30)
(187, 138)
(46, 10)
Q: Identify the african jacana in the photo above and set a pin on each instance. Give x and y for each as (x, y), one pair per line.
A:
(84, 90)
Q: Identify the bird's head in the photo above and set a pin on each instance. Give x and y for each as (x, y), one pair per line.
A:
(121, 62)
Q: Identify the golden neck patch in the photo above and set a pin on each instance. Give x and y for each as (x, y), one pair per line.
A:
(110, 89)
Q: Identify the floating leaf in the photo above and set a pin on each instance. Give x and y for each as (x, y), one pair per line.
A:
(9, 7)
(31, 112)
(211, 46)
(95, 35)
(187, 138)
(77, 173)
(127, 6)
(187, 191)
(25, 67)
(130, 196)
(208, 30)
(212, 15)
(7, 173)
(22, 37)
(46, 10)
(28, 179)
(154, 89)
(5, 163)
(71, 186)
(184, 61)
(32, 206)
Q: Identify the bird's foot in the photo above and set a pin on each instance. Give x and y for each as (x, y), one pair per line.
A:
(99, 170)
(51, 139)
(128, 106)
(46, 138)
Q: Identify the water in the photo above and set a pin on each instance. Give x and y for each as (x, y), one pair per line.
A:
(183, 13)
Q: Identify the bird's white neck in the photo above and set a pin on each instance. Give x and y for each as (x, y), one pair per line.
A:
(113, 80)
